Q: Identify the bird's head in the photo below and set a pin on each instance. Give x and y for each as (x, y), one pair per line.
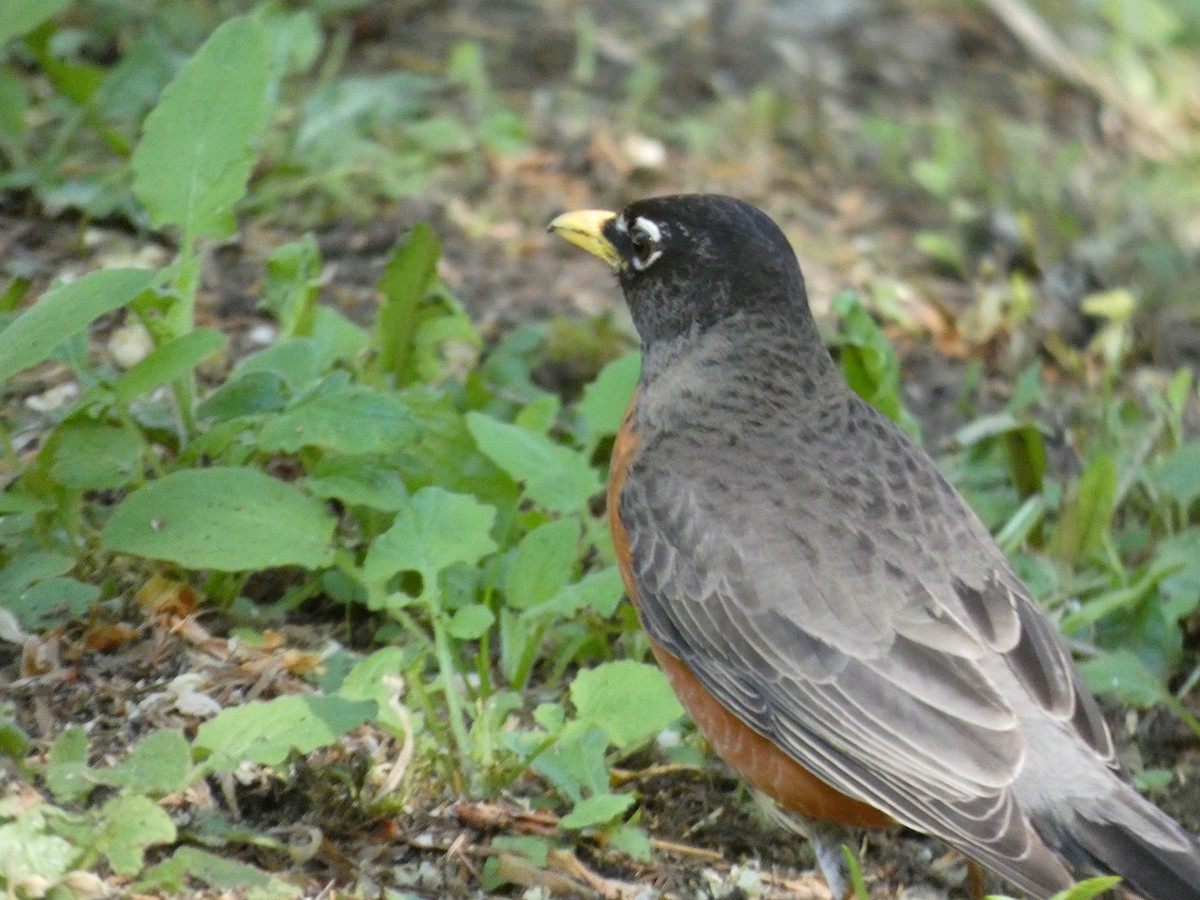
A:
(689, 261)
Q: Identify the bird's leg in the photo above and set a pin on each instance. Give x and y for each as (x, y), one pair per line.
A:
(975, 886)
(826, 839)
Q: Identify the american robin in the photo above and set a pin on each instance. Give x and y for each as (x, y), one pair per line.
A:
(839, 624)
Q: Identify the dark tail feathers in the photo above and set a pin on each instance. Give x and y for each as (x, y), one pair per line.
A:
(1150, 851)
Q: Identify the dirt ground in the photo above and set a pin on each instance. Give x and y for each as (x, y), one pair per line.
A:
(845, 60)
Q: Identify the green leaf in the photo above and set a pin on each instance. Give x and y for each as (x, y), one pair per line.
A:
(14, 743)
(14, 104)
(351, 419)
(66, 772)
(943, 248)
(164, 364)
(131, 823)
(1026, 458)
(1123, 676)
(539, 415)
(158, 765)
(63, 312)
(605, 399)
(29, 852)
(406, 279)
(628, 701)
(576, 763)
(29, 568)
(469, 623)
(544, 562)
(1087, 511)
(435, 530)
(869, 361)
(23, 16)
(556, 477)
(631, 840)
(198, 145)
(599, 591)
(379, 678)
(298, 361)
(368, 481)
(1178, 476)
(1086, 890)
(217, 872)
(52, 602)
(532, 847)
(266, 733)
(598, 809)
(1179, 555)
(245, 395)
(252, 394)
(227, 519)
(96, 456)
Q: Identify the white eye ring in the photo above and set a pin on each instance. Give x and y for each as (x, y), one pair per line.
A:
(645, 236)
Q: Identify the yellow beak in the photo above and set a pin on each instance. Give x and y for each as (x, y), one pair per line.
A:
(585, 228)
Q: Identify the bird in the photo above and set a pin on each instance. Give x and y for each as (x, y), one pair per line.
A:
(841, 627)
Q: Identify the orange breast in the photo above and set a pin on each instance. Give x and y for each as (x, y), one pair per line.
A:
(754, 757)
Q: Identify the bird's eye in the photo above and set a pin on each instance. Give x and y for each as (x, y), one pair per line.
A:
(644, 237)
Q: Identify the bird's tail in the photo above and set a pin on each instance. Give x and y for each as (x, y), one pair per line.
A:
(1134, 839)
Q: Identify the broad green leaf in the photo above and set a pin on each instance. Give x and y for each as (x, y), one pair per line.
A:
(575, 764)
(130, 824)
(51, 602)
(28, 568)
(554, 476)
(539, 415)
(337, 336)
(157, 765)
(408, 275)
(1178, 476)
(217, 872)
(436, 530)
(1120, 599)
(533, 847)
(293, 283)
(298, 361)
(96, 456)
(628, 701)
(353, 419)
(543, 564)
(28, 851)
(1087, 511)
(380, 678)
(1123, 676)
(22, 16)
(266, 733)
(631, 840)
(869, 361)
(599, 591)
(469, 623)
(605, 399)
(368, 481)
(66, 772)
(598, 809)
(245, 395)
(228, 519)
(164, 364)
(198, 145)
(1027, 458)
(63, 312)
(14, 743)
(1179, 555)
(14, 103)
(1086, 890)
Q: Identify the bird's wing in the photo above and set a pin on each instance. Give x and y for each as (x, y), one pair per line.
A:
(856, 650)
